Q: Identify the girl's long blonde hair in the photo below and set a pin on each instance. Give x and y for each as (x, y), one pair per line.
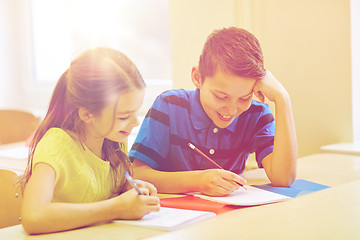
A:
(90, 79)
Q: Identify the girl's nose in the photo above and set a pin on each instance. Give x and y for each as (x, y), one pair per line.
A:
(135, 121)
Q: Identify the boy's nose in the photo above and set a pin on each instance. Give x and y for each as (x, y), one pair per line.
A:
(232, 109)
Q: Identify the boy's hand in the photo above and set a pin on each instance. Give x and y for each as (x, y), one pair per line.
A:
(219, 182)
(269, 87)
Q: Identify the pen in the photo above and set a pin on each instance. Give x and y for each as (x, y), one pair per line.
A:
(132, 182)
(192, 146)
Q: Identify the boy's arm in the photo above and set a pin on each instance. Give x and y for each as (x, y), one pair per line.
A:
(280, 165)
(214, 182)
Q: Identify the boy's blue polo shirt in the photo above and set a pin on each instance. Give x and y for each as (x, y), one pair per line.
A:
(177, 118)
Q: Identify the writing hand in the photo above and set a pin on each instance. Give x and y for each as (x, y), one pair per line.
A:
(219, 182)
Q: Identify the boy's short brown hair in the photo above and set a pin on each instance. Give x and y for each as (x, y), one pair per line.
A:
(233, 50)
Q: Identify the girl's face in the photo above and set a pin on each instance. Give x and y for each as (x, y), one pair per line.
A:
(225, 96)
(118, 129)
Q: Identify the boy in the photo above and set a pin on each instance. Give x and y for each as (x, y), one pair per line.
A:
(221, 119)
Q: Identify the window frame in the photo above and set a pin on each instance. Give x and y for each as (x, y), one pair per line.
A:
(36, 94)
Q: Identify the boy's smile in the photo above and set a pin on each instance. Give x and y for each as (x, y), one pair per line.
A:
(224, 96)
(225, 118)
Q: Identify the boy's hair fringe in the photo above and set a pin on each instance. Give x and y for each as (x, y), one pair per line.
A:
(233, 50)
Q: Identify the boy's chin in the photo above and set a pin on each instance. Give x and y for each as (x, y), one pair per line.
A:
(222, 124)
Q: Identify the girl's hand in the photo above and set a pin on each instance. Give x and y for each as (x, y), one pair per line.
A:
(148, 188)
(151, 189)
(269, 87)
(130, 205)
(219, 182)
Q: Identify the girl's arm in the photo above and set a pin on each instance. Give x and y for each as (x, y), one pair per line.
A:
(40, 215)
(280, 165)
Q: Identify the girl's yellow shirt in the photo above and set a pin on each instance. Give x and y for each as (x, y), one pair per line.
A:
(81, 176)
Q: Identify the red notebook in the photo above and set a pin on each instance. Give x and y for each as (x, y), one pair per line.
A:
(195, 203)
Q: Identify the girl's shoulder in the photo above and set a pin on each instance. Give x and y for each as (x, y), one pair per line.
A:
(57, 140)
(59, 135)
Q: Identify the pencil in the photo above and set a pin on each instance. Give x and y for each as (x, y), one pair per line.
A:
(132, 183)
(192, 146)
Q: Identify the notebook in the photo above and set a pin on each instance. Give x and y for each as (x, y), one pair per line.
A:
(251, 197)
(298, 188)
(195, 203)
(224, 204)
(170, 218)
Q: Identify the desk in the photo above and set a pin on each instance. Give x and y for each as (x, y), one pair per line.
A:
(17, 163)
(333, 213)
(326, 168)
(329, 214)
(342, 148)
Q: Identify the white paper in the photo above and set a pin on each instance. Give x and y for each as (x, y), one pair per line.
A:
(250, 197)
(170, 218)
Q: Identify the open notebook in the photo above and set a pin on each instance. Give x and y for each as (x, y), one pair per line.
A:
(250, 197)
(170, 218)
(255, 195)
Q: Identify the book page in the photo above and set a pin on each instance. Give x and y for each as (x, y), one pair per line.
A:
(250, 197)
(170, 218)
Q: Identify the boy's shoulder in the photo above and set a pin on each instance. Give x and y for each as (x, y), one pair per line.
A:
(257, 106)
(176, 92)
(177, 96)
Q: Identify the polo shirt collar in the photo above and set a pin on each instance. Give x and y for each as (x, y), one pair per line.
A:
(199, 118)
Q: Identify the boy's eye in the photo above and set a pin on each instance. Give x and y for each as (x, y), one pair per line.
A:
(245, 99)
(221, 98)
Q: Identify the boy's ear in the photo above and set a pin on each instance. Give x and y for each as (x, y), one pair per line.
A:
(196, 77)
(85, 115)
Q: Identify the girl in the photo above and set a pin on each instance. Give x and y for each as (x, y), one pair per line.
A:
(74, 176)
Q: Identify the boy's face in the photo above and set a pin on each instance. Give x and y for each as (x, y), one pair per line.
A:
(224, 96)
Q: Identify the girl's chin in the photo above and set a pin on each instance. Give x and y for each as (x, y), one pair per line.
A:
(126, 134)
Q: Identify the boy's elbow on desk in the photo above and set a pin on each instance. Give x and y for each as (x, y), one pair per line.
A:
(283, 181)
(281, 178)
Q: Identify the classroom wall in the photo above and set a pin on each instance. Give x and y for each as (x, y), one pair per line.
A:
(306, 45)
(190, 23)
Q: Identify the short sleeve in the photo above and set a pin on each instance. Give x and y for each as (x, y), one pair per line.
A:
(151, 145)
(264, 132)
(49, 151)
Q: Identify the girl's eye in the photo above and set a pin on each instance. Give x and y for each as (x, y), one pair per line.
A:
(123, 118)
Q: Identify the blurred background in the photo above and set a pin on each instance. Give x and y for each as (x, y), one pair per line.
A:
(311, 46)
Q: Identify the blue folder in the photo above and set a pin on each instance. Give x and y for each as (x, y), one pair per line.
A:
(298, 188)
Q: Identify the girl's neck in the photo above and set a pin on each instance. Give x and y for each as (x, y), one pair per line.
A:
(94, 145)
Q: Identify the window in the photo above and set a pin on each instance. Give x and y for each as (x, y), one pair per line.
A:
(355, 62)
(61, 29)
